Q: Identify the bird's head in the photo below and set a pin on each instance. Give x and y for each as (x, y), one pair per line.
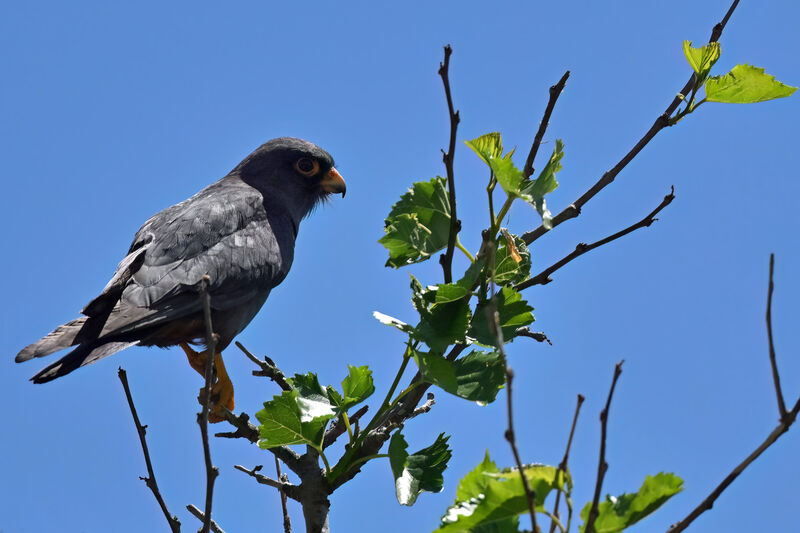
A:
(296, 173)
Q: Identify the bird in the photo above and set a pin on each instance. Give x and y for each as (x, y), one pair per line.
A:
(237, 236)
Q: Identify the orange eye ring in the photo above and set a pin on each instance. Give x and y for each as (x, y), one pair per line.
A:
(307, 166)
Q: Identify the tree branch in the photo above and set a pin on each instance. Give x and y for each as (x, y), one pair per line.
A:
(200, 516)
(562, 466)
(286, 488)
(339, 427)
(555, 92)
(602, 465)
(512, 441)
(202, 417)
(287, 522)
(447, 259)
(574, 209)
(543, 277)
(268, 368)
(776, 378)
(150, 480)
(787, 419)
(538, 336)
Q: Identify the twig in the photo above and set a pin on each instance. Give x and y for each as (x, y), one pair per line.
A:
(543, 277)
(512, 441)
(200, 516)
(447, 259)
(538, 336)
(287, 522)
(268, 368)
(574, 209)
(562, 466)
(776, 378)
(339, 427)
(555, 92)
(286, 488)
(787, 419)
(602, 465)
(150, 480)
(202, 417)
(425, 407)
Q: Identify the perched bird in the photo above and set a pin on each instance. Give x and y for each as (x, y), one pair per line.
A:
(239, 231)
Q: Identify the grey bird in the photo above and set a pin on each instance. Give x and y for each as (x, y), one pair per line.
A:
(239, 231)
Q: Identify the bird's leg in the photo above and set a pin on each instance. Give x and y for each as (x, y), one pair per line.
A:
(221, 390)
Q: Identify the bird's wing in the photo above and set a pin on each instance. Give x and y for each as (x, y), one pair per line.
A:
(223, 232)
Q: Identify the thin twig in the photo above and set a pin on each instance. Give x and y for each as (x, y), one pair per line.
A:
(202, 417)
(574, 209)
(287, 522)
(268, 368)
(339, 427)
(538, 336)
(776, 378)
(602, 465)
(543, 277)
(787, 419)
(512, 441)
(425, 407)
(555, 92)
(562, 466)
(200, 516)
(150, 480)
(447, 259)
(286, 488)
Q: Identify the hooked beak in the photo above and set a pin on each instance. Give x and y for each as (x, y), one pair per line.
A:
(333, 182)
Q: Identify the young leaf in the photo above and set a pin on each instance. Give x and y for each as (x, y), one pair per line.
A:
(703, 58)
(746, 84)
(418, 224)
(312, 399)
(509, 176)
(419, 472)
(445, 324)
(486, 497)
(357, 386)
(284, 421)
(618, 513)
(451, 292)
(514, 313)
(512, 263)
(488, 146)
(546, 183)
(477, 377)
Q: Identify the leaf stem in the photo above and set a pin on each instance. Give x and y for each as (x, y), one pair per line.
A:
(346, 420)
(464, 250)
(368, 458)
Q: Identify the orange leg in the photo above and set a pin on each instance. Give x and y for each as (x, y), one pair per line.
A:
(221, 390)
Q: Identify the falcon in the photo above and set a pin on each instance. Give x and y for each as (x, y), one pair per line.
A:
(239, 232)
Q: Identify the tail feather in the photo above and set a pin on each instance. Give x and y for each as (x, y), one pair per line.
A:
(83, 355)
(70, 334)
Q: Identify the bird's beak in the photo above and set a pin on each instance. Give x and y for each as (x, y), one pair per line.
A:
(333, 182)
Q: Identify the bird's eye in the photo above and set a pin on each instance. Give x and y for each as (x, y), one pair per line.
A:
(307, 166)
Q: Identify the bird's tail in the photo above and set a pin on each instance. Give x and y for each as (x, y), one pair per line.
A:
(70, 334)
(81, 356)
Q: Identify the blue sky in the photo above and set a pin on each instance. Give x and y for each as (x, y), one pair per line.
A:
(111, 112)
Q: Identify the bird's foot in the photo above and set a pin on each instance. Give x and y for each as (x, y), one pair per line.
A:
(221, 390)
(197, 360)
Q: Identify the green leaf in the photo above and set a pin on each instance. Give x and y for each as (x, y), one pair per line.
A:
(703, 58)
(488, 146)
(487, 497)
(312, 399)
(477, 377)
(419, 472)
(546, 183)
(357, 386)
(512, 263)
(508, 176)
(287, 420)
(514, 313)
(451, 292)
(746, 84)
(418, 224)
(444, 325)
(620, 512)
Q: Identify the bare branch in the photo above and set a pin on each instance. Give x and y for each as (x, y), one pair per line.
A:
(286, 488)
(455, 225)
(202, 417)
(268, 368)
(574, 209)
(543, 277)
(150, 480)
(200, 516)
(555, 92)
(602, 465)
(339, 427)
(562, 466)
(776, 378)
(425, 407)
(538, 336)
(512, 440)
(287, 522)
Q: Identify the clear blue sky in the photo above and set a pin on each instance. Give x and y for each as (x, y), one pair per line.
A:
(111, 112)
